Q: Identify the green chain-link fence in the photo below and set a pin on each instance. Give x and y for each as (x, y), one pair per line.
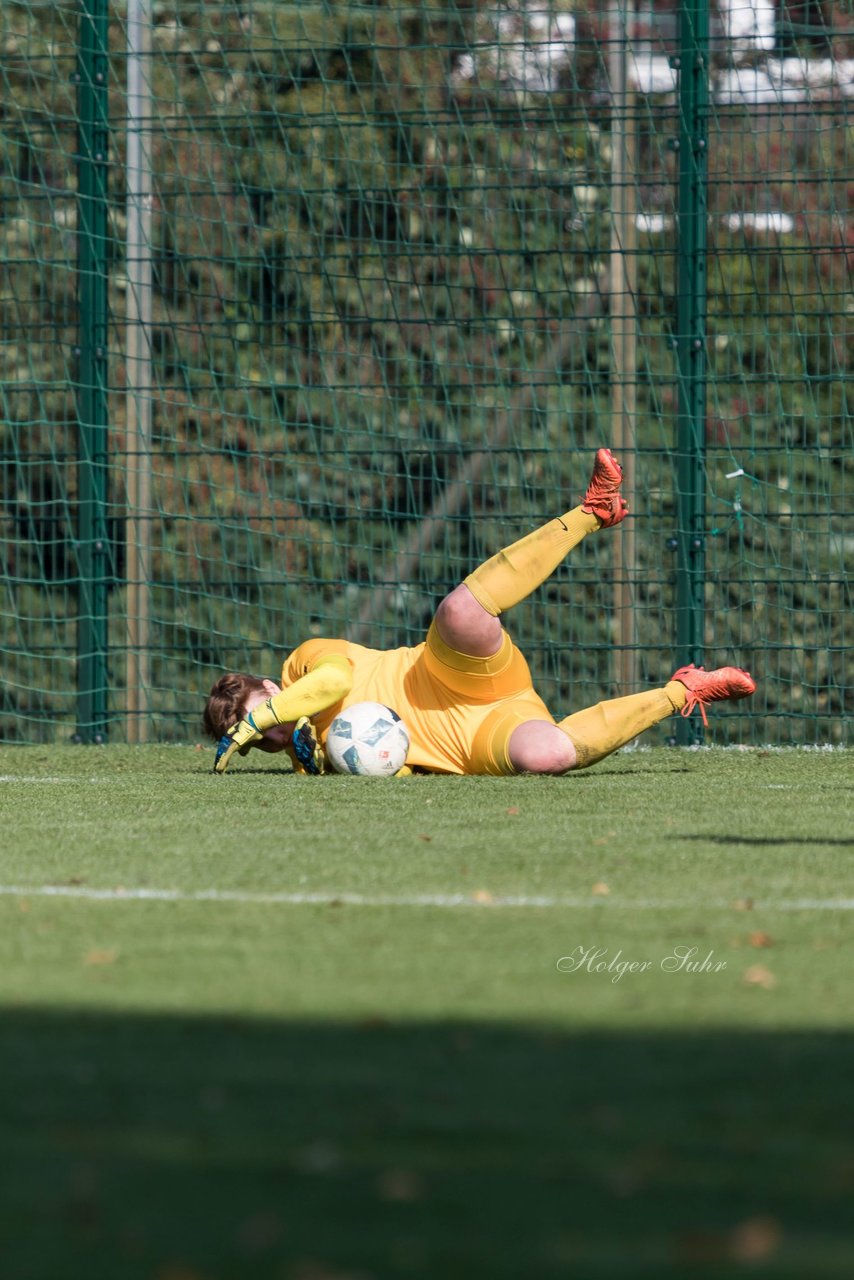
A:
(409, 267)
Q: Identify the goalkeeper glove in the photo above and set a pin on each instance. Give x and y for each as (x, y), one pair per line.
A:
(240, 738)
(308, 751)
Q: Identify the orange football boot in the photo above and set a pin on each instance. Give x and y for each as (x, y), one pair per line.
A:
(713, 686)
(602, 498)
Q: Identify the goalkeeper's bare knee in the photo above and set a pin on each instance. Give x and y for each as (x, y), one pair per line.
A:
(536, 746)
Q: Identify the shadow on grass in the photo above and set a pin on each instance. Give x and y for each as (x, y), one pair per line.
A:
(588, 775)
(582, 775)
(241, 771)
(165, 1148)
(772, 841)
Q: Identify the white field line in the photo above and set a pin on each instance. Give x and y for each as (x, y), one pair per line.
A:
(479, 899)
(29, 779)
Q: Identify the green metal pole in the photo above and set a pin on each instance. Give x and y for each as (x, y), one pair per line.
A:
(92, 267)
(691, 340)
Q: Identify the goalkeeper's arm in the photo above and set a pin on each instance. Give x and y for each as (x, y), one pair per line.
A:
(330, 679)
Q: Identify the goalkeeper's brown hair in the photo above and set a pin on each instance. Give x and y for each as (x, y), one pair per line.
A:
(227, 700)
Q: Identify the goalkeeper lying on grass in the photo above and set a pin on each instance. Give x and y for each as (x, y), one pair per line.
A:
(464, 693)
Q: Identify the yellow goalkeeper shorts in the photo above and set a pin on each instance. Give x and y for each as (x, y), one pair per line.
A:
(490, 697)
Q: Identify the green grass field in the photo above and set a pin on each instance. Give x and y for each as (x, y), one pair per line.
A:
(344, 1029)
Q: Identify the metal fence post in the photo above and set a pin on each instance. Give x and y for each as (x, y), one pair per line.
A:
(138, 365)
(624, 325)
(691, 340)
(92, 414)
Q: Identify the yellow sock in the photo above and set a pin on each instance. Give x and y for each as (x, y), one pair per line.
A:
(516, 571)
(597, 731)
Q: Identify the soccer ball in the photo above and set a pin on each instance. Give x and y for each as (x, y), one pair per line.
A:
(368, 739)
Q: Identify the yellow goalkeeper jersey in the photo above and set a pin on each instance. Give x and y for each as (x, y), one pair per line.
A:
(445, 699)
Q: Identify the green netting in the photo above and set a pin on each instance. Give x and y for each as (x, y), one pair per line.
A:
(382, 345)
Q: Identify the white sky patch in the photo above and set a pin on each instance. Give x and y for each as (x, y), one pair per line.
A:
(781, 224)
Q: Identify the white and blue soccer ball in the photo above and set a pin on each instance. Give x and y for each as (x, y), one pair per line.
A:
(367, 739)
